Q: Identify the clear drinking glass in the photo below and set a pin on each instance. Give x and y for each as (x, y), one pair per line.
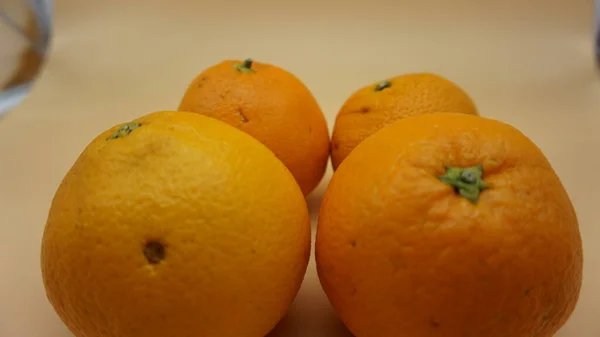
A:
(597, 31)
(25, 30)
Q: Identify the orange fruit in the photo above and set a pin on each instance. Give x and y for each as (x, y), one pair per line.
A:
(372, 107)
(449, 225)
(175, 224)
(270, 104)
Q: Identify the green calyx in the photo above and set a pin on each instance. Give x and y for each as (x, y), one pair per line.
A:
(382, 85)
(467, 181)
(124, 130)
(245, 67)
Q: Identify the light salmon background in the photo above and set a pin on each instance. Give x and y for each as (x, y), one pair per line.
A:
(529, 63)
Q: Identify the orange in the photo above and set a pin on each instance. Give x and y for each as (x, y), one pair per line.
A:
(449, 225)
(175, 224)
(270, 104)
(379, 104)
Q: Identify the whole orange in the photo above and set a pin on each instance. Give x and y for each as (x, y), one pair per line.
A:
(379, 104)
(272, 105)
(175, 224)
(449, 225)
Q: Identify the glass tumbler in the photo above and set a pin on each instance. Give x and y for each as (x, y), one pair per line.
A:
(25, 29)
(597, 31)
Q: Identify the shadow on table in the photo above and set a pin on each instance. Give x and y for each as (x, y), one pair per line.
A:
(314, 199)
(320, 325)
(311, 315)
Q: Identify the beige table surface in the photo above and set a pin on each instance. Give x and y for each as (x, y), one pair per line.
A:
(526, 62)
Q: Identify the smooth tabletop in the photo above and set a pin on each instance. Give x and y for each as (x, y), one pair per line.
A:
(528, 63)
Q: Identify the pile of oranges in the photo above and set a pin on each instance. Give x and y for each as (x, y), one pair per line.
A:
(193, 222)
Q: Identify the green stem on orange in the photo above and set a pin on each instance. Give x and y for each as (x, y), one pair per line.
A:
(245, 67)
(382, 85)
(124, 130)
(467, 181)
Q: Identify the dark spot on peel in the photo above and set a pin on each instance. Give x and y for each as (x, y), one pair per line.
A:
(154, 252)
(204, 78)
(243, 117)
(336, 146)
(545, 316)
(527, 291)
(353, 243)
(365, 109)
(434, 323)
